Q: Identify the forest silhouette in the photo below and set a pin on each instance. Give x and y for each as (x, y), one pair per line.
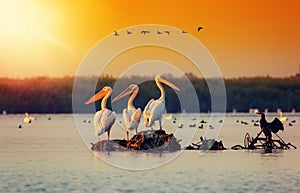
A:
(54, 95)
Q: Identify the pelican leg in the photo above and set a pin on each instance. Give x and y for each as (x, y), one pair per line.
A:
(98, 138)
(108, 134)
(127, 135)
(160, 126)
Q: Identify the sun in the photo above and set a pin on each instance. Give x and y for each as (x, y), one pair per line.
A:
(28, 23)
(19, 18)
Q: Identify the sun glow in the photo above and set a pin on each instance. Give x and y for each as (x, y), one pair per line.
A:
(30, 35)
(28, 22)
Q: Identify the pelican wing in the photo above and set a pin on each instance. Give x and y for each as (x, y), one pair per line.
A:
(126, 117)
(132, 118)
(148, 107)
(103, 121)
(147, 111)
(97, 122)
(154, 112)
(136, 115)
(158, 109)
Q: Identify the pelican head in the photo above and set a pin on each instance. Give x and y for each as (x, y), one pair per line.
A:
(104, 92)
(131, 89)
(160, 78)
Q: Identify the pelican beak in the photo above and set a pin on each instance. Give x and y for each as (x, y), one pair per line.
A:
(170, 84)
(97, 96)
(259, 114)
(124, 93)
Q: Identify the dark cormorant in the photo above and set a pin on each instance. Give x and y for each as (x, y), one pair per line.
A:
(268, 128)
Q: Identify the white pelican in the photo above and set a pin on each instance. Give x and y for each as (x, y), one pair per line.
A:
(28, 119)
(155, 108)
(131, 115)
(105, 118)
(281, 118)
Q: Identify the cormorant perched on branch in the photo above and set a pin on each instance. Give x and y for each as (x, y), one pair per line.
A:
(268, 128)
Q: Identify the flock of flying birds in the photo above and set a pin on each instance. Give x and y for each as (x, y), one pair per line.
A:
(157, 32)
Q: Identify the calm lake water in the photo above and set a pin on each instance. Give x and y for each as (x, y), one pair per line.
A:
(52, 156)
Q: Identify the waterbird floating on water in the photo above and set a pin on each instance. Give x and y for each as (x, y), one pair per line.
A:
(167, 32)
(129, 32)
(192, 125)
(105, 118)
(281, 118)
(202, 121)
(256, 124)
(155, 108)
(131, 115)
(180, 126)
(28, 119)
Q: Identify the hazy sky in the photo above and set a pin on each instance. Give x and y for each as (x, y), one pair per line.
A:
(246, 38)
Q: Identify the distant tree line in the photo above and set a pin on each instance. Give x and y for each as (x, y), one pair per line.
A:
(54, 95)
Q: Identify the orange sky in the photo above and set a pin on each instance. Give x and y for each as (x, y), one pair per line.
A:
(247, 38)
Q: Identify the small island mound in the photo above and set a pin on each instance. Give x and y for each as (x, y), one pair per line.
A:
(150, 140)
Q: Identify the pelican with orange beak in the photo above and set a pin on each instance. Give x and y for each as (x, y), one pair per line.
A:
(131, 115)
(155, 109)
(105, 118)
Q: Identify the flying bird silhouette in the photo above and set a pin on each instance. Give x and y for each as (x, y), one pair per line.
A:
(199, 28)
(184, 32)
(116, 33)
(145, 32)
